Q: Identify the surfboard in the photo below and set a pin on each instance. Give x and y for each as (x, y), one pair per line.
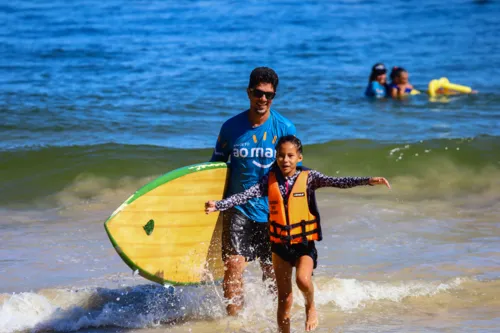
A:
(162, 232)
(444, 87)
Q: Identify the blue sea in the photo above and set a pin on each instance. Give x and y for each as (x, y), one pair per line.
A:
(97, 98)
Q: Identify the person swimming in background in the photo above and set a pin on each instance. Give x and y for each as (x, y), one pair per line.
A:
(399, 86)
(377, 83)
(294, 222)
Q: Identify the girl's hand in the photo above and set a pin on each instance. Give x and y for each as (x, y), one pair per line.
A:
(379, 181)
(210, 207)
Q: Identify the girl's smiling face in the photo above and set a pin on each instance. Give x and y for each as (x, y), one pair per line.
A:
(403, 78)
(287, 157)
(382, 79)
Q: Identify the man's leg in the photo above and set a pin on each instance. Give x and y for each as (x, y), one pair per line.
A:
(236, 236)
(262, 246)
(233, 283)
(268, 276)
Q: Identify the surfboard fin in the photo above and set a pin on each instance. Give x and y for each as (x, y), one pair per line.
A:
(149, 227)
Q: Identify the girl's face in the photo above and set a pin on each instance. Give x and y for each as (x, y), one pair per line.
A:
(382, 78)
(403, 78)
(287, 158)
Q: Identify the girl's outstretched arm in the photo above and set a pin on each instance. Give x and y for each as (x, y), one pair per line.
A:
(317, 180)
(255, 191)
(210, 206)
(379, 181)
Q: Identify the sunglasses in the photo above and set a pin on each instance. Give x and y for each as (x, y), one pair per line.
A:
(259, 93)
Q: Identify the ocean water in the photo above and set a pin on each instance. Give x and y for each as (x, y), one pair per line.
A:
(99, 98)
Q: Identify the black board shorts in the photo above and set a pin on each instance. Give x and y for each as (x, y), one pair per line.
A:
(291, 253)
(245, 237)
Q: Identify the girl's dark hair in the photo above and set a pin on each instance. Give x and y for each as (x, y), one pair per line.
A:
(292, 139)
(377, 69)
(396, 72)
(373, 76)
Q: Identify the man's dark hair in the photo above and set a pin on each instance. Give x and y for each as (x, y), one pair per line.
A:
(263, 75)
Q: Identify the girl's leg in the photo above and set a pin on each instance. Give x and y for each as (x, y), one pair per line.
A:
(305, 265)
(283, 272)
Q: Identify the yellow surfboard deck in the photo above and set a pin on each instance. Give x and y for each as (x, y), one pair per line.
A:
(445, 87)
(162, 230)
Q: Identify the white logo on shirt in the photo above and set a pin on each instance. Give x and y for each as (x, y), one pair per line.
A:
(217, 153)
(263, 166)
(254, 152)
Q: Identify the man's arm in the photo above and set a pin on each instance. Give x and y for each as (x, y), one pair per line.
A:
(221, 150)
(291, 130)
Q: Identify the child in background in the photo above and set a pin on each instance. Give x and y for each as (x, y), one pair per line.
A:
(377, 82)
(294, 222)
(400, 86)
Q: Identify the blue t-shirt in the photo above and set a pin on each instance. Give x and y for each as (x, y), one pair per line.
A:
(375, 89)
(252, 152)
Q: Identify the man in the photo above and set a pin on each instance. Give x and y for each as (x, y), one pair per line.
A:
(249, 139)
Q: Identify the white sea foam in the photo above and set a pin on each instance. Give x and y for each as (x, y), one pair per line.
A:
(151, 305)
(24, 311)
(350, 294)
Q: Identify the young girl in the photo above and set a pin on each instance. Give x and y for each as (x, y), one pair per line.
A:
(377, 82)
(294, 222)
(400, 85)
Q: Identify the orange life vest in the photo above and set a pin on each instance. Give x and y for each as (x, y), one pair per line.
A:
(292, 222)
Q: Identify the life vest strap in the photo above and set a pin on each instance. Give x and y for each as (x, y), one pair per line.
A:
(287, 239)
(302, 224)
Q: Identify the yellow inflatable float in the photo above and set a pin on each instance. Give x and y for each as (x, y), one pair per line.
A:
(445, 87)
